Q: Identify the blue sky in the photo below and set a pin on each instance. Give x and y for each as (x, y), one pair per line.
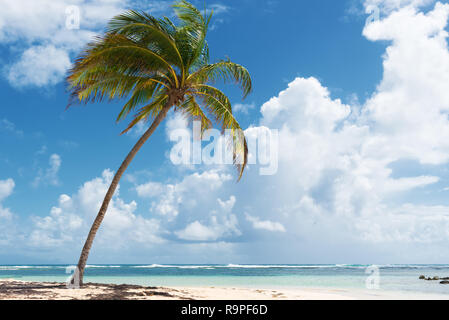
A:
(362, 114)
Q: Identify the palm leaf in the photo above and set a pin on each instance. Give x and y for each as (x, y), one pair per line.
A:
(148, 111)
(223, 114)
(191, 36)
(142, 94)
(149, 32)
(192, 111)
(223, 70)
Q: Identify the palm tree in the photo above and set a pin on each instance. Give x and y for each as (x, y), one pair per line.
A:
(157, 66)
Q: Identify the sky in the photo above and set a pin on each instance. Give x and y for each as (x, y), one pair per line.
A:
(358, 91)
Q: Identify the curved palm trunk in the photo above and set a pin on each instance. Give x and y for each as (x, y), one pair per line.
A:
(107, 199)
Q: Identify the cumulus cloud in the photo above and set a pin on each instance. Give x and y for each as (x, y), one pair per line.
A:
(39, 66)
(167, 199)
(418, 123)
(138, 130)
(204, 224)
(69, 221)
(218, 8)
(407, 223)
(390, 5)
(243, 108)
(6, 216)
(196, 231)
(221, 224)
(335, 170)
(49, 176)
(193, 207)
(6, 189)
(265, 225)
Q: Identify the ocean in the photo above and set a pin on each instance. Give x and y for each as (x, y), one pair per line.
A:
(384, 277)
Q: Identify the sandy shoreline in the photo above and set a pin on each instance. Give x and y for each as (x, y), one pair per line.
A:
(22, 290)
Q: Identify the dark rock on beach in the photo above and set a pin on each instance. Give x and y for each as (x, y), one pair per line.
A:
(443, 280)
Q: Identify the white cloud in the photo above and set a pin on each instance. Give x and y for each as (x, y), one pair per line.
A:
(404, 184)
(39, 66)
(69, 221)
(36, 33)
(314, 108)
(330, 172)
(390, 5)
(218, 8)
(139, 129)
(6, 216)
(221, 225)
(335, 176)
(170, 197)
(58, 228)
(197, 232)
(6, 189)
(243, 108)
(49, 176)
(228, 204)
(176, 122)
(150, 189)
(265, 224)
(408, 223)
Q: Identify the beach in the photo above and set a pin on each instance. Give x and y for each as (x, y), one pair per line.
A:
(226, 282)
(11, 289)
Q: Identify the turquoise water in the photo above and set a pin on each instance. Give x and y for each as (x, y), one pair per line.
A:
(391, 277)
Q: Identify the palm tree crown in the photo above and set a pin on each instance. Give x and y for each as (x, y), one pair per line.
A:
(156, 64)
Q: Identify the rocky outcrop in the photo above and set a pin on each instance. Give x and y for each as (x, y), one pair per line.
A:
(444, 280)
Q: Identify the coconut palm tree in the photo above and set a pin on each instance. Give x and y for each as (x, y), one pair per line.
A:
(157, 65)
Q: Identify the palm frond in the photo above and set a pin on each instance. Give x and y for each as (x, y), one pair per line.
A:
(206, 91)
(188, 13)
(117, 51)
(218, 105)
(148, 111)
(97, 83)
(142, 93)
(226, 71)
(191, 35)
(193, 112)
(149, 32)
